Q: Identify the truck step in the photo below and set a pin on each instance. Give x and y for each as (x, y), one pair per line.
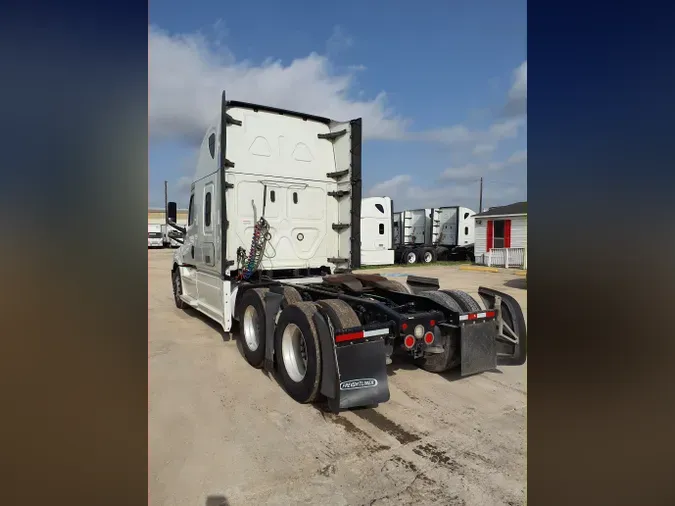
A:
(338, 194)
(336, 260)
(190, 301)
(337, 174)
(340, 226)
(332, 135)
(231, 121)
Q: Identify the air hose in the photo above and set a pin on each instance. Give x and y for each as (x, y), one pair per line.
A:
(249, 264)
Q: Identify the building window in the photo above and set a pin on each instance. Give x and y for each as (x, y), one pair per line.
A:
(212, 145)
(498, 234)
(207, 210)
(191, 216)
(381, 228)
(380, 208)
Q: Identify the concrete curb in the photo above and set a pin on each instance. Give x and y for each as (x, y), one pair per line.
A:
(477, 268)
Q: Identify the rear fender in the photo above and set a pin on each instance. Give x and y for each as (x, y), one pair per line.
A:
(421, 284)
(512, 331)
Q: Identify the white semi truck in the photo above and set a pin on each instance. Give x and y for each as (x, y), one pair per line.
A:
(155, 236)
(272, 237)
(377, 231)
(428, 235)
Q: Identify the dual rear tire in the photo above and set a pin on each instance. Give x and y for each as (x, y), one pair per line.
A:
(418, 255)
(297, 348)
(455, 300)
(252, 324)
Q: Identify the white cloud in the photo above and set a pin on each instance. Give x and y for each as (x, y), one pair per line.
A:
(474, 171)
(187, 75)
(462, 191)
(460, 134)
(339, 40)
(390, 186)
(483, 149)
(519, 87)
(469, 171)
(516, 104)
(517, 157)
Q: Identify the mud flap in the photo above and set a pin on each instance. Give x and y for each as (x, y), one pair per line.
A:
(478, 347)
(511, 328)
(354, 373)
(421, 284)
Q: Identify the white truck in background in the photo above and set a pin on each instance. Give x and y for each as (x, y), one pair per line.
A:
(432, 234)
(377, 231)
(155, 236)
(273, 234)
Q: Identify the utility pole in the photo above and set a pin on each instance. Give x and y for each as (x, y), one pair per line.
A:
(480, 200)
(166, 202)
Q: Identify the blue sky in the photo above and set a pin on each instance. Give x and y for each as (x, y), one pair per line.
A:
(441, 87)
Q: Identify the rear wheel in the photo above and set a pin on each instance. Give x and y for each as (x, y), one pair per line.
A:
(341, 314)
(298, 352)
(441, 362)
(409, 256)
(428, 256)
(291, 296)
(395, 286)
(252, 325)
(465, 301)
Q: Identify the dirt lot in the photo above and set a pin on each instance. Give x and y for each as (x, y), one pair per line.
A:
(221, 432)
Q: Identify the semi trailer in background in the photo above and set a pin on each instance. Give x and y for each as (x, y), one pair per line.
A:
(428, 235)
(272, 239)
(155, 236)
(377, 231)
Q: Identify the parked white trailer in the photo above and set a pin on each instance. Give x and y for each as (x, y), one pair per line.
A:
(155, 236)
(428, 235)
(377, 231)
(272, 236)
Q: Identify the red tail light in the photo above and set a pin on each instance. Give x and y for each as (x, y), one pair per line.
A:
(429, 337)
(404, 326)
(409, 341)
(432, 322)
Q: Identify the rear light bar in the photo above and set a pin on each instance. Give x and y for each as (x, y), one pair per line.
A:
(360, 334)
(477, 316)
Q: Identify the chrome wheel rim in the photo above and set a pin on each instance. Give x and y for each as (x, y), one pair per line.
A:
(411, 258)
(427, 258)
(251, 328)
(294, 352)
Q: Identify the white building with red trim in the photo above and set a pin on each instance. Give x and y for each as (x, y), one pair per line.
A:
(501, 236)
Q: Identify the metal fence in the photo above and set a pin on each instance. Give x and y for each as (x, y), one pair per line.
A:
(504, 257)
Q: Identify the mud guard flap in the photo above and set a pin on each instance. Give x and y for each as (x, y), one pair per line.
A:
(511, 328)
(354, 374)
(478, 347)
(421, 284)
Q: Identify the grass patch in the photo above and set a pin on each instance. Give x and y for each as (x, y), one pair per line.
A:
(405, 266)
